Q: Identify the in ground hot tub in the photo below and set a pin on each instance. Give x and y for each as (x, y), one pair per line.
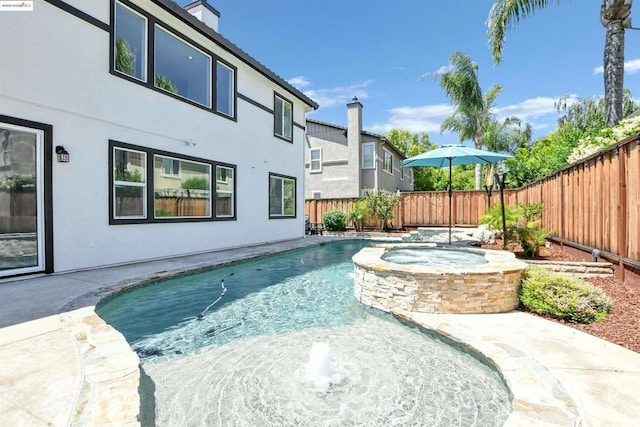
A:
(429, 279)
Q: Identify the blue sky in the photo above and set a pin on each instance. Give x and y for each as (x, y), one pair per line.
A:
(376, 50)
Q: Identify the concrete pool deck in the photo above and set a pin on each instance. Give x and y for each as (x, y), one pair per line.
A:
(61, 365)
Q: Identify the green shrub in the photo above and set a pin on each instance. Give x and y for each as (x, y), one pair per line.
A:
(571, 299)
(523, 225)
(382, 205)
(334, 220)
(196, 183)
(358, 214)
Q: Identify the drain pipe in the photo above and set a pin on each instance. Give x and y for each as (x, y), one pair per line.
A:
(595, 254)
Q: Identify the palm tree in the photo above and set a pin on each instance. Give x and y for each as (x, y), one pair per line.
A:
(507, 136)
(471, 109)
(614, 16)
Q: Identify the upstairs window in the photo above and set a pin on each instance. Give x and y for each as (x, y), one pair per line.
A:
(130, 39)
(283, 118)
(315, 160)
(224, 89)
(401, 173)
(150, 54)
(368, 155)
(387, 164)
(282, 196)
(181, 69)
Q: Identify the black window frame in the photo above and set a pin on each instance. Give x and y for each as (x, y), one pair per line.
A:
(150, 186)
(152, 21)
(295, 196)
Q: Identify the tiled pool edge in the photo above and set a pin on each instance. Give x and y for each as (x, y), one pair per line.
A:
(538, 398)
(110, 372)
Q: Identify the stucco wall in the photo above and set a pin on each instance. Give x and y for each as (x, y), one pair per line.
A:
(55, 70)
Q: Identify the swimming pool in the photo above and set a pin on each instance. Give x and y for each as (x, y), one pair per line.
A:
(246, 360)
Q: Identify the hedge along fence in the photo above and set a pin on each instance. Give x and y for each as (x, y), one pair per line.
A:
(421, 208)
(594, 203)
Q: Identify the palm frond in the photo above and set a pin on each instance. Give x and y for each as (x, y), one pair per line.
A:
(504, 15)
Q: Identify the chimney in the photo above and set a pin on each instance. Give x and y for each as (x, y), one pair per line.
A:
(354, 139)
(204, 12)
(354, 122)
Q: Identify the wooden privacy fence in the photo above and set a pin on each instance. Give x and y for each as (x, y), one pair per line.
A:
(595, 203)
(421, 208)
(592, 204)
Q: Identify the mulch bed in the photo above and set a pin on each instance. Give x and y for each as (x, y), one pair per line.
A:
(622, 326)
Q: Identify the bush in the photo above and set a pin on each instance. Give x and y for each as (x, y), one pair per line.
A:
(382, 205)
(523, 225)
(358, 214)
(196, 183)
(334, 220)
(571, 299)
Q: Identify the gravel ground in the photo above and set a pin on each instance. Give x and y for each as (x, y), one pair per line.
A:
(623, 323)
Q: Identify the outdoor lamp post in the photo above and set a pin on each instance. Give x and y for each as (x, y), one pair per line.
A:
(500, 176)
(489, 189)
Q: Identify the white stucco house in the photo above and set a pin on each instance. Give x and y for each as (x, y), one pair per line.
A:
(133, 130)
(346, 162)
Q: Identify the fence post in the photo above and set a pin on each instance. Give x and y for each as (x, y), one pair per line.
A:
(622, 211)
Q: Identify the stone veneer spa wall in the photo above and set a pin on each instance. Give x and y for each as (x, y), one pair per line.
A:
(491, 287)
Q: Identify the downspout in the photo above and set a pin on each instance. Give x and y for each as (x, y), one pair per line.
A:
(375, 169)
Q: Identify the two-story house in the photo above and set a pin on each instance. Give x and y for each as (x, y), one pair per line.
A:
(133, 130)
(346, 162)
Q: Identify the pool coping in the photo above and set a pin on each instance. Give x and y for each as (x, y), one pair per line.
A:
(536, 381)
(536, 396)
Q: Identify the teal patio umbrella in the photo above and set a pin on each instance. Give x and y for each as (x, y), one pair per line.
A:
(452, 155)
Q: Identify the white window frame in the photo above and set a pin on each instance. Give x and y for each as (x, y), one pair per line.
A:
(282, 214)
(173, 160)
(145, 44)
(231, 192)
(401, 172)
(387, 156)
(142, 185)
(231, 89)
(373, 160)
(317, 169)
(283, 119)
(209, 71)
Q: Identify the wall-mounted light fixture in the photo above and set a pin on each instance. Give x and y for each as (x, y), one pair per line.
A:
(62, 154)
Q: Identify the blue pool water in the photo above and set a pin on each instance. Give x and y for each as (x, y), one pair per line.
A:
(307, 288)
(247, 360)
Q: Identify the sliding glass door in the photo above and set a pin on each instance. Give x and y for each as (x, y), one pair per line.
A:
(21, 200)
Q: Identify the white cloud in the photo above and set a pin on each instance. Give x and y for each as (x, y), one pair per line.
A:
(630, 67)
(339, 95)
(299, 82)
(443, 69)
(531, 108)
(426, 118)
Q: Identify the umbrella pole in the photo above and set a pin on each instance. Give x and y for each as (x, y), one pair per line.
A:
(450, 193)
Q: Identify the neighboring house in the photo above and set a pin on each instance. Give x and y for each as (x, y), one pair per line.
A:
(130, 130)
(346, 162)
